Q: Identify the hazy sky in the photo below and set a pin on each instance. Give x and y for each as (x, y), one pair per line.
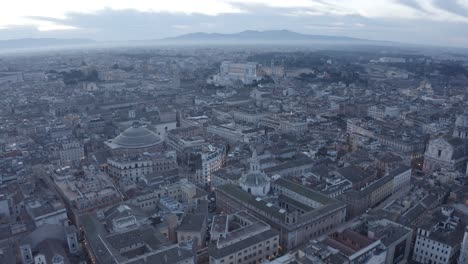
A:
(434, 22)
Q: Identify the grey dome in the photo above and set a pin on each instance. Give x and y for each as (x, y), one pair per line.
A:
(136, 137)
(254, 179)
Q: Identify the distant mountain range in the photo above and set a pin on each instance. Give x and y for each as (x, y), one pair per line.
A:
(273, 37)
(253, 35)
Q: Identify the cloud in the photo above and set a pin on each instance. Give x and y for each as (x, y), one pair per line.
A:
(54, 27)
(14, 14)
(181, 26)
(453, 7)
(412, 4)
(34, 13)
(438, 22)
(439, 10)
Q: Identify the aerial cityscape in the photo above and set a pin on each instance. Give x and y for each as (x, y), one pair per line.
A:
(270, 146)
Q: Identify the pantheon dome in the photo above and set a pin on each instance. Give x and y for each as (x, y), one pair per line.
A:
(134, 139)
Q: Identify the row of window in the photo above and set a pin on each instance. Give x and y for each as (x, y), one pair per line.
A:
(147, 204)
(95, 202)
(436, 260)
(252, 254)
(430, 241)
(433, 247)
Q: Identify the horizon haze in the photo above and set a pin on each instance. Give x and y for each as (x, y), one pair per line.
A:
(427, 22)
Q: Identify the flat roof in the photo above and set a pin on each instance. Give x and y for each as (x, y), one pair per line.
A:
(245, 197)
(304, 191)
(272, 210)
(290, 164)
(192, 223)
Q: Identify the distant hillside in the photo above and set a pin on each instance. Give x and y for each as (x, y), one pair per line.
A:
(249, 37)
(270, 36)
(32, 43)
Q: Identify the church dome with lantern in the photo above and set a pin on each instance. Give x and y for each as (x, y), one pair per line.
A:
(255, 181)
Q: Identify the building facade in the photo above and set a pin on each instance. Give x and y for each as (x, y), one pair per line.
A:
(296, 212)
(134, 168)
(250, 241)
(446, 153)
(71, 152)
(461, 126)
(231, 72)
(463, 258)
(205, 161)
(438, 238)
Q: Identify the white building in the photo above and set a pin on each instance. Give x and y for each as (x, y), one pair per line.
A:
(380, 113)
(40, 259)
(206, 161)
(285, 124)
(231, 72)
(70, 152)
(376, 112)
(129, 168)
(461, 126)
(447, 153)
(133, 168)
(401, 179)
(437, 239)
(392, 60)
(463, 259)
